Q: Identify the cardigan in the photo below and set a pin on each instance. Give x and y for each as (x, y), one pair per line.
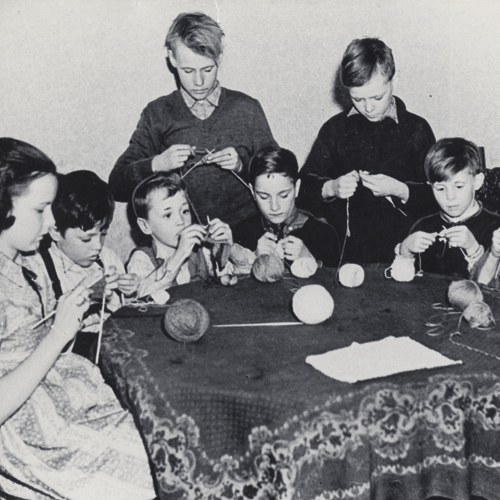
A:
(347, 143)
(238, 121)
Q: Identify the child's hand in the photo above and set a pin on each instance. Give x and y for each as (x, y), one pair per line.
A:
(128, 283)
(172, 158)
(219, 232)
(417, 243)
(227, 159)
(343, 187)
(495, 244)
(461, 237)
(267, 244)
(70, 309)
(294, 248)
(188, 238)
(383, 185)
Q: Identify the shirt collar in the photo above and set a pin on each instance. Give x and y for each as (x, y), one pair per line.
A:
(474, 209)
(212, 98)
(162, 251)
(392, 111)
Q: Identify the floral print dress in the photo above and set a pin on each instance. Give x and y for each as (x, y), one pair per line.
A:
(71, 439)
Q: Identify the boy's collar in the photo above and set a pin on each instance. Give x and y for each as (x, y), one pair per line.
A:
(392, 111)
(296, 220)
(474, 209)
(162, 251)
(212, 98)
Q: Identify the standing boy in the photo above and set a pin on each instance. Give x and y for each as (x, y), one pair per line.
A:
(365, 169)
(452, 240)
(201, 124)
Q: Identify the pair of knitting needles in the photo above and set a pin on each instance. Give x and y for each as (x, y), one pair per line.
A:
(203, 161)
(101, 318)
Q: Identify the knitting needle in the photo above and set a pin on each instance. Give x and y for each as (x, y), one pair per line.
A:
(43, 320)
(283, 323)
(101, 324)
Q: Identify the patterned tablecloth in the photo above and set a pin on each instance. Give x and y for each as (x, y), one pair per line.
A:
(240, 415)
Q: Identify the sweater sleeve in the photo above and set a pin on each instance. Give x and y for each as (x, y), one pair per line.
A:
(135, 163)
(319, 167)
(421, 201)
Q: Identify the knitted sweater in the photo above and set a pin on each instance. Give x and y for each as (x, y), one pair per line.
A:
(385, 147)
(443, 259)
(319, 238)
(238, 121)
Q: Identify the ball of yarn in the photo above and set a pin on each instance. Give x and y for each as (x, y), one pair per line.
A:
(478, 314)
(228, 280)
(304, 267)
(268, 268)
(186, 320)
(351, 275)
(312, 304)
(402, 270)
(462, 293)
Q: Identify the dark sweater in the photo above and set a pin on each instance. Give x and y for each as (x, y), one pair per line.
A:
(238, 121)
(385, 147)
(319, 238)
(443, 259)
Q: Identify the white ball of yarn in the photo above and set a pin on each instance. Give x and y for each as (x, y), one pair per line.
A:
(304, 267)
(351, 275)
(312, 304)
(402, 269)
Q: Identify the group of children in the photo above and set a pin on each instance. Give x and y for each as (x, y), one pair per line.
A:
(375, 183)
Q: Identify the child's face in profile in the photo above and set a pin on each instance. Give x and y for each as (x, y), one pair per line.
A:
(33, 216)
(373, 99)
(82, 247)
(167, 217)
(275, 196)
(457, 194)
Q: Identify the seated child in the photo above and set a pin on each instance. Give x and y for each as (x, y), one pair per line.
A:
(83, 211)
(280, 226)
(180, 251)
(452, 240)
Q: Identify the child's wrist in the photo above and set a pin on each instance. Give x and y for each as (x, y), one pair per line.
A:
(472, 250)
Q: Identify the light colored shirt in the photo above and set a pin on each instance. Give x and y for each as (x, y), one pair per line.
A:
(205, 107)
(71, 274)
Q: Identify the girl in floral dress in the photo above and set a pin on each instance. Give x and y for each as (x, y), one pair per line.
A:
(63, 434)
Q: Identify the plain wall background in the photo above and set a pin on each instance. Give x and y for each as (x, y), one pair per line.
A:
(76, 74)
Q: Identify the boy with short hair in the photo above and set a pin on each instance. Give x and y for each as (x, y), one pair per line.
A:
(180, 251)
(452, 240)
(365, 169)
(280, 227)
(83, 210)
(202, 123)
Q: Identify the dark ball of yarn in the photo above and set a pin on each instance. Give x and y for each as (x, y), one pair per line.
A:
(186, 320)
(268, 268)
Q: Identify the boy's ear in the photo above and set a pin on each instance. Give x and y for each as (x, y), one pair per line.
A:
(55, 234)
(171, 57)
(143, 225)
(297, 187)
(478, 181)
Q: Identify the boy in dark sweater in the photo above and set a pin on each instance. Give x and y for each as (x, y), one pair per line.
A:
(452, 240)
(280, 227)
(368, 162)
(200, 124)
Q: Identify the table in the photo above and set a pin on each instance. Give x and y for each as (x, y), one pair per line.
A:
(240, 415)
